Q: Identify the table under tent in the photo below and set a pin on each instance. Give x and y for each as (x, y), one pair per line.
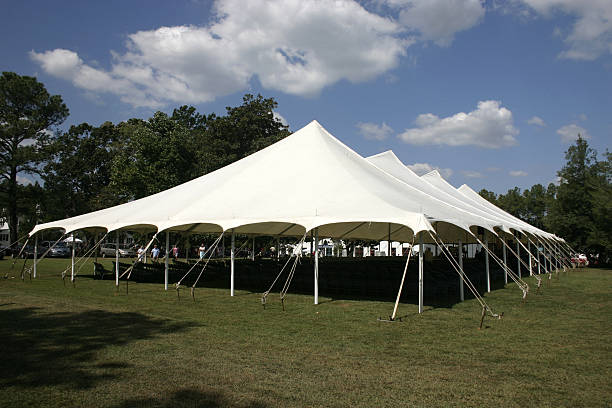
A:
(367, 199)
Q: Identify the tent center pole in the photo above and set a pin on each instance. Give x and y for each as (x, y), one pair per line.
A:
(389, 240)
(316, 266)
(530, 265)
(35, 254)
(518, 258)
(486, 242)
(461, 292)
(167, 260)
(232, 258)
(117, 259)
(505, 263)
(421, 273)
(253, 251)
(72, 261)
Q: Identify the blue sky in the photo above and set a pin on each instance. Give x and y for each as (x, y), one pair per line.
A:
(492, 93)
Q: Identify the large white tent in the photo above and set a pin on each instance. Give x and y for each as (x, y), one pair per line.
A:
(278, 192)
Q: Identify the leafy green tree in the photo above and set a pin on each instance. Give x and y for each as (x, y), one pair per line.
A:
(571, 213)
(244, 130)
(77, 176)
(513, 202)
(600, 234)
(489, 195)
(164, 151)
(153, 155)
(28, 115)
(534, 205)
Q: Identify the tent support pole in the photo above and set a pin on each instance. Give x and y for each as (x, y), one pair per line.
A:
(117, 259)
(539, 260)
(389, 241)
(486, 242)
(518, 258)
(277, 248)
(461, 292)
(232, 258)
(505, 263)
(253, 251)
(72, 261)
(96, 252)
(167, 260)
(35, 254)
(421, 273)
(316, 266)
(530, 265)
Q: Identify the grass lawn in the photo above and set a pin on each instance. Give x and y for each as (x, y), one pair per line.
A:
(91, 346)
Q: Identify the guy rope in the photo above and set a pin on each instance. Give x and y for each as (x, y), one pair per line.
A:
(466, 280)
(43, 256)
(519, 282)
(285, 288)
(210, 249)
(128, 271)
(214, 245)
(82, 260)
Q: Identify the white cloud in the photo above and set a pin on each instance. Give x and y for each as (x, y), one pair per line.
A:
(439, 20)
(24, 180)
(591, 34)
(295, 46)
(28, 142)
(280, 118)
(569, 133)
(536, 121)
(518, 173)
(424, 168)
(472, 174)
(372, 131)
(490, 126)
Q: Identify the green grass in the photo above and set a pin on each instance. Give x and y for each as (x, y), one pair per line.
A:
(91, 346)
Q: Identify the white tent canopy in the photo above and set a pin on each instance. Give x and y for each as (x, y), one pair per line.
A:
(276, 191)
(390, 163)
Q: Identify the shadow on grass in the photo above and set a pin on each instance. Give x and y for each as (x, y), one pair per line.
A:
(188, 398)
(60, 349)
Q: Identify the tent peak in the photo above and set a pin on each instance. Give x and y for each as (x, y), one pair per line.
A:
(387, 153)
(433, 173)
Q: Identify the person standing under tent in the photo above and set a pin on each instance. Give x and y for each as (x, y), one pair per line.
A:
(175, 252)
(140, 253)
(202, 250)
(155, 254)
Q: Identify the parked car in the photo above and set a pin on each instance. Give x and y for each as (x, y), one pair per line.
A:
(580, 260)
(5, 251)
(109, 250)
(60, 250)
(28, 251)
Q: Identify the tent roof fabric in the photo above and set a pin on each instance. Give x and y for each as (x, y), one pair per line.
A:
(464, 198)
(275, 191)
(308, 180)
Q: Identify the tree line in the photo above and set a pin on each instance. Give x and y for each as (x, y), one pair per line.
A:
(87, 167)
(578, 209)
